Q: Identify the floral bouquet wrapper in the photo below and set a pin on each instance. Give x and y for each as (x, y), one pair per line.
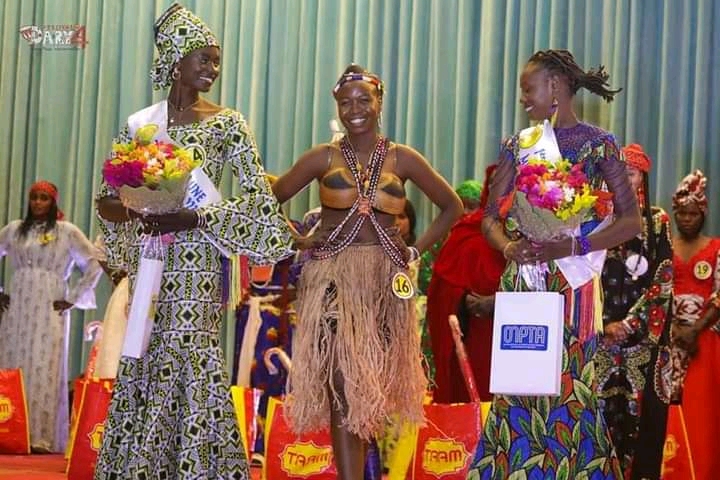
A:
(154, 201)
(151, 176)
(540, 224)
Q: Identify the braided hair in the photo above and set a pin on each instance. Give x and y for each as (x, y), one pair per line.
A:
(563, 63)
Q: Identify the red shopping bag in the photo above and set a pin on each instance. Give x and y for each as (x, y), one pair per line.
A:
(87, 438)
(290, 456)
(677, 457)
(93, 332)
(446, 444)
(246, 401)
(14, 426)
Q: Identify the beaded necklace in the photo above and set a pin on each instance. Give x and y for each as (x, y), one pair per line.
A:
(366, 182)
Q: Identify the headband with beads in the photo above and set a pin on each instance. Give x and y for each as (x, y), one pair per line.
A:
(365, 77)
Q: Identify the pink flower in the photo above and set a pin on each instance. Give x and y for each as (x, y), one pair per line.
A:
(126, 173)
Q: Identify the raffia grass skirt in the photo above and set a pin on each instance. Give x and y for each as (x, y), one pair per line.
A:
(350, 321)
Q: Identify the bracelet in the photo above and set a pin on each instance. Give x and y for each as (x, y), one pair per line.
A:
(414, 253)
(584, 244)
(628, 328)
(201, 220)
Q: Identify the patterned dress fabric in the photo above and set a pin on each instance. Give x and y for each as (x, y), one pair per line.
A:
(33, 336)
(696, 281)
(634, 378)
(563, 437)
(171, 414)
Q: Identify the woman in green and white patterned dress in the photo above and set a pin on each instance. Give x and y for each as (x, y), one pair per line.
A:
(171, 414)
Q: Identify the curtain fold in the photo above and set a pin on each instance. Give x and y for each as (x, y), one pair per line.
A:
(451, 70)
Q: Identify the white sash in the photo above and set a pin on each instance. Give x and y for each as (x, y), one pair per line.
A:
(201, 191)
(578, 269)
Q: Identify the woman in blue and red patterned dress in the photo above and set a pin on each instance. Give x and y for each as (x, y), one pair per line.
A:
(557, 436)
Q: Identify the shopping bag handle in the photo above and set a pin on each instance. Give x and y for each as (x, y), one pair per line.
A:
(284, 359)
(463, 359)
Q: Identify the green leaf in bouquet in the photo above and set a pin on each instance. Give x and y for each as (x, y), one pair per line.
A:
(145, 134)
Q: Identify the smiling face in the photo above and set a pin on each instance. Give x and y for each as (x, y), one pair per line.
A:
(537, 91)
(199, 68)
(359, 106)
(40, 204)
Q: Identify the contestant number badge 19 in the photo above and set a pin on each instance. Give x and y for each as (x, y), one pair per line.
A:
(402, 286)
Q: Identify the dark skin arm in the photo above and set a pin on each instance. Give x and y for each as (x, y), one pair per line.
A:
(61, 305)
(686, 338)
(410, 166)
(414, 167)
(310, 166)
(626, 225)
(4, 302)
(58, 305)
(480, 305)
(112, 209)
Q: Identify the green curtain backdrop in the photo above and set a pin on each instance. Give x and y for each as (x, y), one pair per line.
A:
(451, 69)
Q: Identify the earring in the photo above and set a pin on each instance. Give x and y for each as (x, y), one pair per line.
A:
(379, 122)
(641, 197)
(175, 74)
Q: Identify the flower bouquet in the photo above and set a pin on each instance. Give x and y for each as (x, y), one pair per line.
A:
(551, 199)
(151, 176)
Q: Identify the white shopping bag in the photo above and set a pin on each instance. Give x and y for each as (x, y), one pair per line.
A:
(142, 306)
(527, 343)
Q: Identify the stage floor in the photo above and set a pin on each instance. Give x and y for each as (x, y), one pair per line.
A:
(46, 467)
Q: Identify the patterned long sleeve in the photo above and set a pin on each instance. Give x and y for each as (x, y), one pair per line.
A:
(651, 310)
(249, 223)
(115, 246)
(84, 255)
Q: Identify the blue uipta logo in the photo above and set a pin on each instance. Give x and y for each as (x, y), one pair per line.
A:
(524, 337)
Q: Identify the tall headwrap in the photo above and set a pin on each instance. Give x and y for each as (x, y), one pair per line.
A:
(49, 189)
(470, 190)
(691, 190)
(636, 157)
(178, 32)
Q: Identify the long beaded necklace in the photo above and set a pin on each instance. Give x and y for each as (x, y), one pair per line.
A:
(366, 182)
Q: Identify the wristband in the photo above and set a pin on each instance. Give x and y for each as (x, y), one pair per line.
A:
(628, 328)
(201, 220)
(583, 243)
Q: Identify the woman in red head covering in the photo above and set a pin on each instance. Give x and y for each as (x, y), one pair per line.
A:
(466, 275)
(632, 364)
(43, 251)
(696, 338)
